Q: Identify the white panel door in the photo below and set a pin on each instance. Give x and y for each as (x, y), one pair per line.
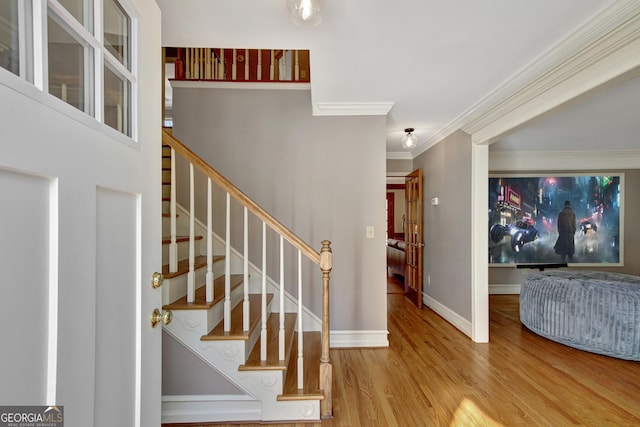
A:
(80, 232)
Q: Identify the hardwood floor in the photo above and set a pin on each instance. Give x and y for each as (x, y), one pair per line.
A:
(395, 284)
(433, 375)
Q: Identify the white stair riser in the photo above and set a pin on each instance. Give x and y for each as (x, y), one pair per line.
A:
(183, 250)
(200, 322)
(216, 314)
(176, 287)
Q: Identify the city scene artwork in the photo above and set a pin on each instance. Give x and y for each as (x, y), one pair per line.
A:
(523, 218)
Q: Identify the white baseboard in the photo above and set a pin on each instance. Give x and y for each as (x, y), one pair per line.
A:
(504, 289)
(352, 339)
(209, 408)
(449, 315)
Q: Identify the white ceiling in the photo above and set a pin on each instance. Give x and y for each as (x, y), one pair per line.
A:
(433, 61)
(606, 120)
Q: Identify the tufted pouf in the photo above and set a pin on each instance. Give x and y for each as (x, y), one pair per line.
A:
(588, 310)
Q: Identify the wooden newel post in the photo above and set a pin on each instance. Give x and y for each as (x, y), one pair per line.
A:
(326, 370)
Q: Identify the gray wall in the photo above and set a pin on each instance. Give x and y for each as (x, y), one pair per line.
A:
(447, 227)
(631, 239)
(322, 177)
(399, 165)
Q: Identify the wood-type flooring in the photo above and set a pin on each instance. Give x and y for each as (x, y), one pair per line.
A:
(434, 375)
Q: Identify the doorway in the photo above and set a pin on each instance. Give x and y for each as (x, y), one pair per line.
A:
(404, 244)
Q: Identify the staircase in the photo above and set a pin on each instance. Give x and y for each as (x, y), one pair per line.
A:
(250, 329)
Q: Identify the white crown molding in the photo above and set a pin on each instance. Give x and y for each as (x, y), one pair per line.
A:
(352, 108)
(399, 155)
(563, 160)
(212, 84)
(604, 48)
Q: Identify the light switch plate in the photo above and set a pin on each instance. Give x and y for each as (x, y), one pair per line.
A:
(370, 232)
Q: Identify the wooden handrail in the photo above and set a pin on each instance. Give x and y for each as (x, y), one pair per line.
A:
(234, 192)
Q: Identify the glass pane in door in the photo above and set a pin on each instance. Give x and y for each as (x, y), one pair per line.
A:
(116, 101)
(117, 28)
(9, 36)
(70, 67)
(81, 10)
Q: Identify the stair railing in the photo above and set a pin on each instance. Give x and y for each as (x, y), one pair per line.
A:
(322, 259)
(210, 64)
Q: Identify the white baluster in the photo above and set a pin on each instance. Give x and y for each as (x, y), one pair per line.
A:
(221, 66)
(245, 269)
(234, 66)
(263, 331)
(281, 336)
(283, 71)
(227, 269)
(272, 66)
(246, 64)
(173, 246)
(209, 276)
(297, 66)
(191, 276)
(259, 70)
(300, 330)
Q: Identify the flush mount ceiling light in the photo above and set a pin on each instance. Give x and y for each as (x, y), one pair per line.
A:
(307, 13)
(409, 140)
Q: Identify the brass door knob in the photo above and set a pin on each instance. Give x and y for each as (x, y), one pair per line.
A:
(156, 280)
(157, 316)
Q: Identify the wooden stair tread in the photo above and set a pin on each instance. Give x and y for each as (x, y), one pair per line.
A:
(200, 300)
(183, 265)
(236, 332)
(312, 348)
(167, 239)
(254, 363)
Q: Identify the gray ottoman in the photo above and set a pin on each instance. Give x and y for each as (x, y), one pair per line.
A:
(588, 310)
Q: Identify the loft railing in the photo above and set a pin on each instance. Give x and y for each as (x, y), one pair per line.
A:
(251, 65)
(322, 259)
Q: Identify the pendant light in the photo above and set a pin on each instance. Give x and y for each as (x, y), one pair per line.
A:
(409, 140)
(307, 13)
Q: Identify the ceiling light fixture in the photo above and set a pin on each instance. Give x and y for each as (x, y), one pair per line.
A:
(409, 140)
(307, 13)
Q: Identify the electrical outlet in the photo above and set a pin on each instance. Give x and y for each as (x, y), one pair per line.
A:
(428, 280)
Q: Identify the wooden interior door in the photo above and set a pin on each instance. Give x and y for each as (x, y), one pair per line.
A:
(413, 236)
